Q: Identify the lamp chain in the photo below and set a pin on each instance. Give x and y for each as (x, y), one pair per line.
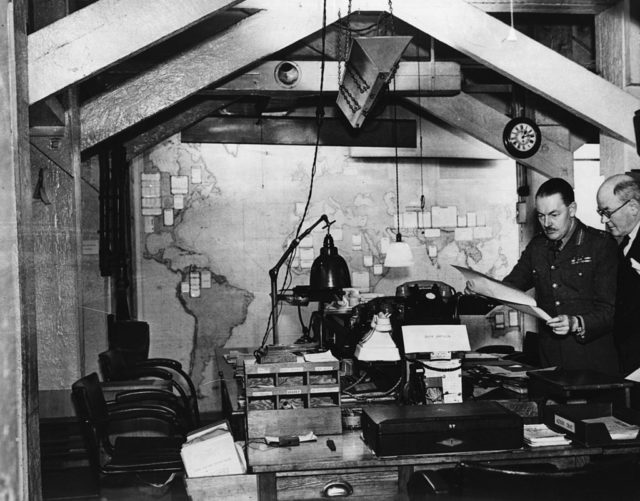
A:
(344, 37)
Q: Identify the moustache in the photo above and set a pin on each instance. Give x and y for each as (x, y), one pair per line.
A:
(549, 229)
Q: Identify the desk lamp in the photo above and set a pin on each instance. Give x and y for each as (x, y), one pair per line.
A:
(329, 270)
(329, 273)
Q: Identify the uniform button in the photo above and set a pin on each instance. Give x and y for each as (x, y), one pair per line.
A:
(553, 266)
(579, 273)
(555, 286)
(557, 303)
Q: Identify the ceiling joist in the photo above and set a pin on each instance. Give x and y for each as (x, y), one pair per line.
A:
(545, 6)
(244, 44)
(457, 23)
(103, 33)
(525, 61)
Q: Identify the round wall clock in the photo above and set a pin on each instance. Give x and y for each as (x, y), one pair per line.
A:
(521, 137)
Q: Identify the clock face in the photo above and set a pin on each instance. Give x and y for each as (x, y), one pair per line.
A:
(521, 137)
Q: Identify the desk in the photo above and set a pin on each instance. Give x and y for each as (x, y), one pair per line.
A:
(293, 473)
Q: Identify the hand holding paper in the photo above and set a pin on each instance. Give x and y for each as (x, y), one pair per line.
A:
(484, 285)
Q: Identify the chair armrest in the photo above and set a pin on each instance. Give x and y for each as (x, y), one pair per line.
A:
(144, 395)
(161, 362)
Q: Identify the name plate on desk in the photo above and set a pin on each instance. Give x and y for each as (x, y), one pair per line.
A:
(435, 338)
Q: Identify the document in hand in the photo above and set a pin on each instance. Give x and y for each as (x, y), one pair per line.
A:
(510, 296)
(211, 451)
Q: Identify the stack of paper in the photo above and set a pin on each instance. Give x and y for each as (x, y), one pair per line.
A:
(507, 295)
(618, 429)
(211, 451)
(540, 435)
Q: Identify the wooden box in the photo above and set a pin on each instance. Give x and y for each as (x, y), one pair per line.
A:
(441, 428)
(223, 488)
(293, 398)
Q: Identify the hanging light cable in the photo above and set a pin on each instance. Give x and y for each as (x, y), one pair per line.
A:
(512, 37)
(398, 253)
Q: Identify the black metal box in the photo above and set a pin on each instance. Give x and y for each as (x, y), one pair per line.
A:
(441, 428)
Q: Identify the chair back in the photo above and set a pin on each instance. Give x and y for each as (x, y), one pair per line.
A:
(130, 336)
(114, 365)
(91, 408)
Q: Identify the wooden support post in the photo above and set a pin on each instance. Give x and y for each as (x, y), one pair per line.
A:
(617, 62)
(19, 441)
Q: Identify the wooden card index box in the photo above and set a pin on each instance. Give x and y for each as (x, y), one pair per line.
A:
(441, 428)
(292, 398)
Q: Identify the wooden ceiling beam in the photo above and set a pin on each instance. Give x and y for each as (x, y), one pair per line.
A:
(525, 61)
(440, 76)
(279, 25)
(103, 33)
(486, 124)
(186, 118)
(545, 6)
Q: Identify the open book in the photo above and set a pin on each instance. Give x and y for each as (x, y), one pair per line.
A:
(507, 295)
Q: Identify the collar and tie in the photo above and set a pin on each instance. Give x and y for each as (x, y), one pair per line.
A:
(556, 245)
(623, 244)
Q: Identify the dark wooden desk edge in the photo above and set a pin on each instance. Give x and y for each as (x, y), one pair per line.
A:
(316, 463)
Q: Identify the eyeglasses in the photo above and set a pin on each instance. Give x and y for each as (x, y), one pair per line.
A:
(608, 213)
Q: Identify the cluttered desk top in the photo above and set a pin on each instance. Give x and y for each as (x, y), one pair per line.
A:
(352, 452)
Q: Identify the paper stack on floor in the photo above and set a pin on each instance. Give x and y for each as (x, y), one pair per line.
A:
(211, 451)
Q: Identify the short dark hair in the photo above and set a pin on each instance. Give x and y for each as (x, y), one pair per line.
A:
(627, 189)
(559, 186)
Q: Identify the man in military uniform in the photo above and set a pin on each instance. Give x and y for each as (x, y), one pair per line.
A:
(573, 269)
(619, 209)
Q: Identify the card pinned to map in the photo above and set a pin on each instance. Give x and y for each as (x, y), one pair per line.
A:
(507, 295)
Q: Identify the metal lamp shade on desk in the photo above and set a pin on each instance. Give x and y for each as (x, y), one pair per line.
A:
(329, 270)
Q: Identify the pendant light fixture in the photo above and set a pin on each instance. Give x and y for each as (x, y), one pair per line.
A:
(398, 253)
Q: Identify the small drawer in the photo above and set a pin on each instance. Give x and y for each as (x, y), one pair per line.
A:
(223, 488)
(369, 485)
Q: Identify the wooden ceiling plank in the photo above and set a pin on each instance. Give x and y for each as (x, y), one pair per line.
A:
(168, 128)
(252, 39)
(445, 77)
(545, 6)
(484, 38)
(103, 33)
(486, 124)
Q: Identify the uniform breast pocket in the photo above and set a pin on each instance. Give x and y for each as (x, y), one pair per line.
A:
(579, 274)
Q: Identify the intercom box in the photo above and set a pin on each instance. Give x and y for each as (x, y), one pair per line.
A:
(442, 428)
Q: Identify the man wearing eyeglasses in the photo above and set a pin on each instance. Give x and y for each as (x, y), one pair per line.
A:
(619, 209)
(573, 268)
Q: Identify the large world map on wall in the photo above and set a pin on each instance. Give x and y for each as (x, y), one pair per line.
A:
(205, 256)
